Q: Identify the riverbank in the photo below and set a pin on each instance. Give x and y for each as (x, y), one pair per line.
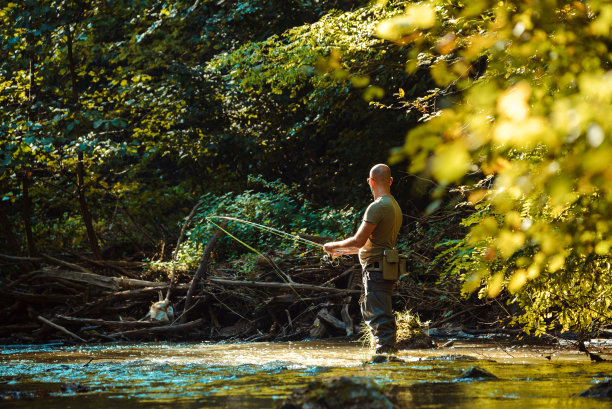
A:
(284, 297)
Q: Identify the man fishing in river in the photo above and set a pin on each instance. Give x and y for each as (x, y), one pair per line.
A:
(375, 237)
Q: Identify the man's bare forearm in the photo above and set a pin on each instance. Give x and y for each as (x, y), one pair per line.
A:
(347, 250)
(352, 244)
(344, 246)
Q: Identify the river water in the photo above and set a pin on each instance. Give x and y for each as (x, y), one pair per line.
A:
(260, 375)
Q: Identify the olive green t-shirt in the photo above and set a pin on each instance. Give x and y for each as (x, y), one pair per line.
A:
(386, 214)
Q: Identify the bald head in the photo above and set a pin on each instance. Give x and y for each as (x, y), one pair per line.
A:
(381, 173)
(380, 180)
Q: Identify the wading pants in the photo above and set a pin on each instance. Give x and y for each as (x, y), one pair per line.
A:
(376, 308)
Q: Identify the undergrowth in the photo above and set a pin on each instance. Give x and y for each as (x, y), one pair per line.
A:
(272, 204)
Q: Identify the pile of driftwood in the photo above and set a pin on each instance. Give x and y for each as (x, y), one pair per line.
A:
(92, 301)
(284, 298)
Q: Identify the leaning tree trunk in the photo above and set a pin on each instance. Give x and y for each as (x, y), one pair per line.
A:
(27, 213)
(85, 214)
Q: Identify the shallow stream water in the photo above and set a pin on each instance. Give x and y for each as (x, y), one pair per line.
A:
(260, 375)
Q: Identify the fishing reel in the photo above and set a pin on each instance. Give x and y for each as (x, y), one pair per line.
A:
(326, 259)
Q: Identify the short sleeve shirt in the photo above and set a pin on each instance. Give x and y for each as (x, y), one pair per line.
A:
(386, 214)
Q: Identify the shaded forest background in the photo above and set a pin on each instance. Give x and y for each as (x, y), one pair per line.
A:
(117, 117)
(151, 105)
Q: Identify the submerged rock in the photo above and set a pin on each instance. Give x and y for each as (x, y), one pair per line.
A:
(601, 390)
(341, 393)
(382, 358)
(74, 387)
(22, 395)
(452, 357)
(417, 341)
(476, 374)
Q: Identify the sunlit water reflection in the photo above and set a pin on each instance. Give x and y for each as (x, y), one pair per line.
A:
(260, 375)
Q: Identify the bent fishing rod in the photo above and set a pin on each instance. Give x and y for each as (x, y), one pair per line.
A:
(271, 229)
(278, 232)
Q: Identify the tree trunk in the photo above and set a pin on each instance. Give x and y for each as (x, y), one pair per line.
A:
(11, 242)
(27, 217)
(201, 271)
(87, 219)
(26, 175)
(85, 214)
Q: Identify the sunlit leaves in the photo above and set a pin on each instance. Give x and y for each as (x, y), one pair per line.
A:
(373, 92)
(512, 103)
(524, 133)
(442, 73)
(450, 162)
(596, 85)
(517, 281)
(536, 120)
(601, 25)
(283, 61)
(418, 16)
(495, 285)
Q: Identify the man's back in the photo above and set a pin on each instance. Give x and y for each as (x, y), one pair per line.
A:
(386, 214)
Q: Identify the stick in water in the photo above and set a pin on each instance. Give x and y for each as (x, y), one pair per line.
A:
(59, 327)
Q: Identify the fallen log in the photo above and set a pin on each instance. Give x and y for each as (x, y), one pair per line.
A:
(348, 321)
(98, 321)
(113, 283)
(330, 319)
(125, 295)
(60, 328)
(158, 330)
(20, 258)
(53, 260)
(348, 271)
(266, 284)
(21, 279)
(344, 312)
(106, 264)
(42, 299)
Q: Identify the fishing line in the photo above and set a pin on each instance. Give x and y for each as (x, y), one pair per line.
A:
(296, 237)
(229, 308)
(270, 229)
(253, 249)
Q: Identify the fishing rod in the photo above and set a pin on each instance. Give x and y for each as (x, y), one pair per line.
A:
(273, 230)
(326, 257)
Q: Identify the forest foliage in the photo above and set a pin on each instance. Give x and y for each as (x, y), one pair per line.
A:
(530, 137)
(116, 117)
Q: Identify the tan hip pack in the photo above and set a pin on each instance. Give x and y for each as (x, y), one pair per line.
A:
(394, 264)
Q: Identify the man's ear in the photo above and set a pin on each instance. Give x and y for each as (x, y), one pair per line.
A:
(390, 181)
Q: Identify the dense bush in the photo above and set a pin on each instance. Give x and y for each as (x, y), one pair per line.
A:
(272, 204)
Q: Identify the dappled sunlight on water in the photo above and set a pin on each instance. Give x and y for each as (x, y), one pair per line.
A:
(260, 375)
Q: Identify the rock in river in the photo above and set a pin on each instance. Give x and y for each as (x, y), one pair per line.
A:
(341, 393)
(476, 374)
(601, 390)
